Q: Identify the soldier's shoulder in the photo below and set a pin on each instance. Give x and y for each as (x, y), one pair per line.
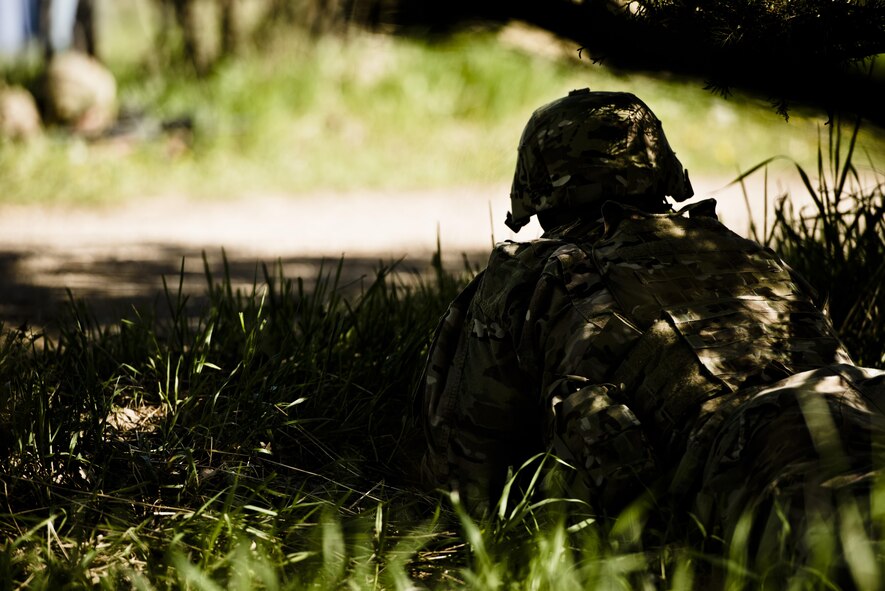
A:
(525, 252)
(514, 263)
(519, 259)
(513, 267)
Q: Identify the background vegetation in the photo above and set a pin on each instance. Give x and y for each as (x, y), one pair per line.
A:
(297, 113)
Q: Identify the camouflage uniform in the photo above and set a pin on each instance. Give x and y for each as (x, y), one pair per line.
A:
(642, 347)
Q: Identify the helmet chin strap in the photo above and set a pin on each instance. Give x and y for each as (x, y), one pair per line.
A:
(513, 225)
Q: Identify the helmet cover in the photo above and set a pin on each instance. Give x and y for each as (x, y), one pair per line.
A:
(590, 147)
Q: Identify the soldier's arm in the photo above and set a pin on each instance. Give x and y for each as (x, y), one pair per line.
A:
(578, 332)
(478, 402)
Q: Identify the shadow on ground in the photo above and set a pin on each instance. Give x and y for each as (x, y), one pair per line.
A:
(35, 287)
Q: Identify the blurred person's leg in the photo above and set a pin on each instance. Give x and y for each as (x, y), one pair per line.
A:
(13, 27)
(62, 16)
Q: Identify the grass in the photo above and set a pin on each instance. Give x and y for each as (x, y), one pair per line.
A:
(269, 441)
(243, 436)
(837, 242)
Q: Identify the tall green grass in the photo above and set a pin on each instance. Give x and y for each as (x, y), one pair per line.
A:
(268, 440)
(236, 436)
(838, 242)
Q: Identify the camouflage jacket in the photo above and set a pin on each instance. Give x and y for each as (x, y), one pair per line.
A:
(613, 341)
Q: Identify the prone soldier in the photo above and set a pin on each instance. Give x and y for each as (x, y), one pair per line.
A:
(646, 346)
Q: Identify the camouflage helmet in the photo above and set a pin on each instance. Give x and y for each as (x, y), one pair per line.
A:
(590, 147)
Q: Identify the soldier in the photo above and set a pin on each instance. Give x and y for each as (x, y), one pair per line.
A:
(646, 346)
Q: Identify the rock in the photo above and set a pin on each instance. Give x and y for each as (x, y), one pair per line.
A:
(19, 117)
(80, 93)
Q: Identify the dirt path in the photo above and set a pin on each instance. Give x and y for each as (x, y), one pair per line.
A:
(115, 256)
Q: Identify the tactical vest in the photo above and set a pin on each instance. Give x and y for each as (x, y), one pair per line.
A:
(732, 301)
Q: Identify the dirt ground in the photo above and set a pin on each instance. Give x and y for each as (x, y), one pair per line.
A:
(117, 256)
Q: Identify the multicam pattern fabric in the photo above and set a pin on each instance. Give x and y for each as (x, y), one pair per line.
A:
(588, 147)
(629, 345)
(793, 455)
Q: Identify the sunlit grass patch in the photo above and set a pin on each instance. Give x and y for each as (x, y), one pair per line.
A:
(367, 112)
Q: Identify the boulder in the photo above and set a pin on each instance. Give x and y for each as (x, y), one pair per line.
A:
(80, 93)
(19, 117)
